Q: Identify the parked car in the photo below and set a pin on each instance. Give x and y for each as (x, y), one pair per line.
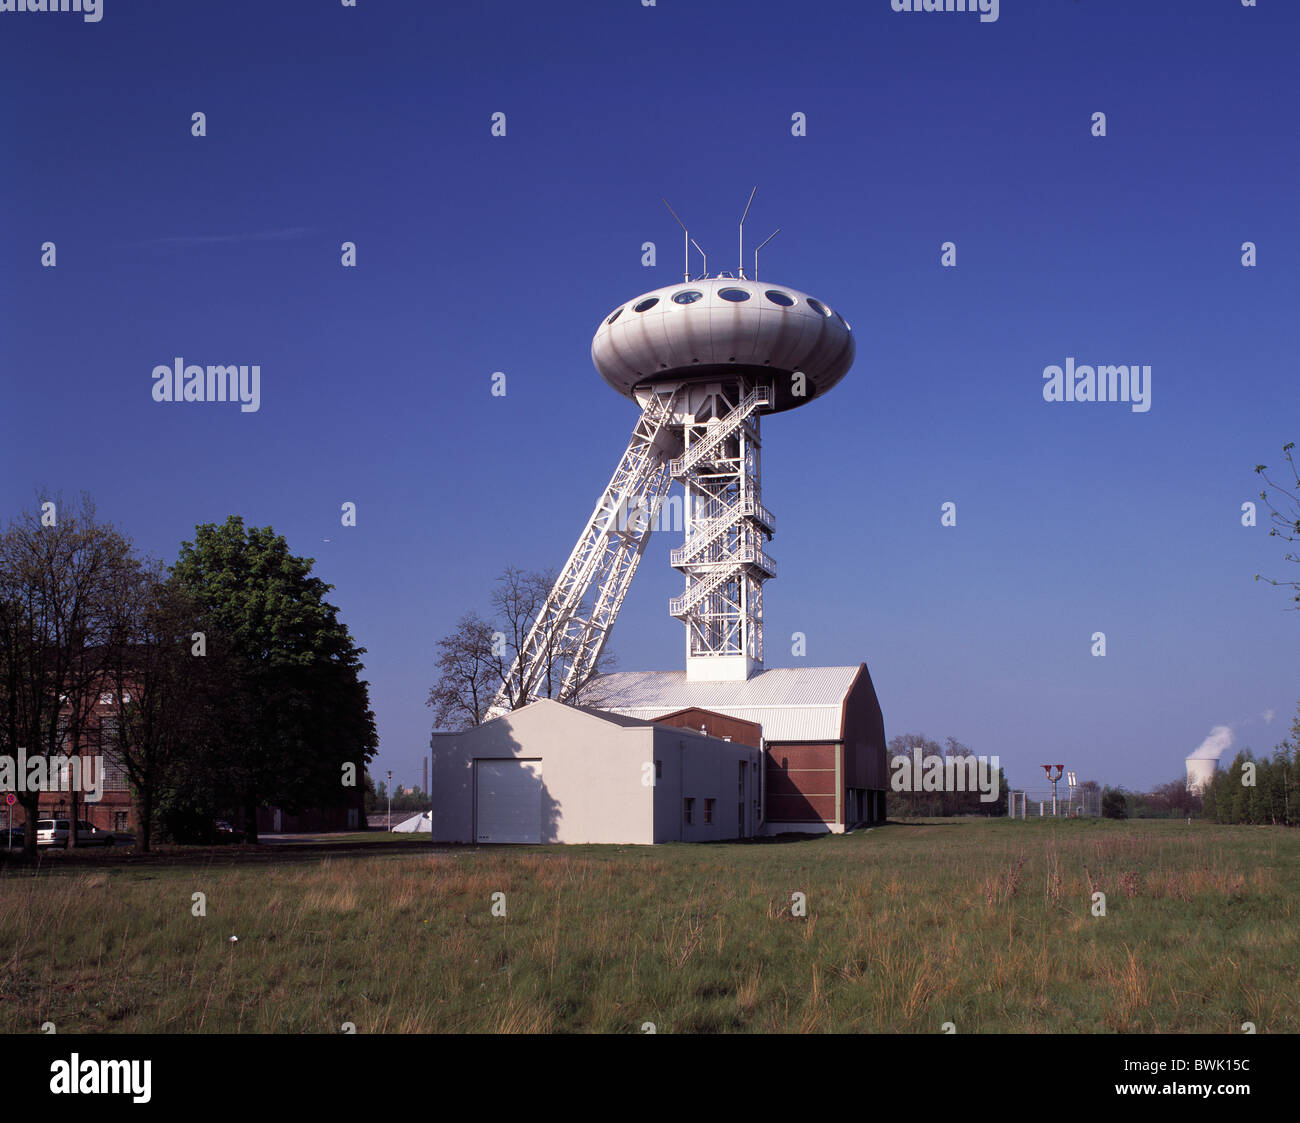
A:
(227, 833)
(14, 839)
(54, 832)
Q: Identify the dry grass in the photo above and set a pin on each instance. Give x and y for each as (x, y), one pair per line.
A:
(989, 925)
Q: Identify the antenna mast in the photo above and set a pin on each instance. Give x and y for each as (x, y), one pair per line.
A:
(760, 246)
(740, 269)
(686, 242)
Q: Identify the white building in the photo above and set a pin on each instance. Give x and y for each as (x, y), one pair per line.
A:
(555, 773)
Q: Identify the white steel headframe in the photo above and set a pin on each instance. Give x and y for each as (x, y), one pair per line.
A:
(707, 436)
(570, 631)
(726, 526)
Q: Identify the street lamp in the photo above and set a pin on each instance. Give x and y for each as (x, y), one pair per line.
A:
(390, 800)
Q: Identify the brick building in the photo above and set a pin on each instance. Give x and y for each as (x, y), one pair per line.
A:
(114, 810)
(820, 730)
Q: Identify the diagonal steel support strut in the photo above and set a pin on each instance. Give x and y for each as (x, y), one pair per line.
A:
(570, 631)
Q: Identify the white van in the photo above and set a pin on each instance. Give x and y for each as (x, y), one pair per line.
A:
(54, 832)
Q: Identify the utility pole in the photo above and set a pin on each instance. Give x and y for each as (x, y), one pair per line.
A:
(390, 800)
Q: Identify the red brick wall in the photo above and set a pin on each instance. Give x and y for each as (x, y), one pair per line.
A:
(801, 782)
(58, 804)
(716, 725)
(864, 736)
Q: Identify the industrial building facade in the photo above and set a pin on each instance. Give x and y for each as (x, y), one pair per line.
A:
(820, 730)
(554, 773)
(657, 758)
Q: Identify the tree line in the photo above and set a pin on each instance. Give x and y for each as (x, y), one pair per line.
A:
(235, 685)
(1273, 798)
(919, 803)
(1249, 790)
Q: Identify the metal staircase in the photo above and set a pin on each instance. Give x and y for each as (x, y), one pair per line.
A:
(722, 557)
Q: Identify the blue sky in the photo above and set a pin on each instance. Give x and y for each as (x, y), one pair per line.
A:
(479, 254)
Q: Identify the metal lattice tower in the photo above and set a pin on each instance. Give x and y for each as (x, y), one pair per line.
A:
(726, 527)
(703, 358)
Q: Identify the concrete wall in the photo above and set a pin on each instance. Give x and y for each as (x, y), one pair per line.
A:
(702, 768)
(591, 774)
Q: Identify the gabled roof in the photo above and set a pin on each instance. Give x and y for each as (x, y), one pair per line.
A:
(546, 709)
(790, 703)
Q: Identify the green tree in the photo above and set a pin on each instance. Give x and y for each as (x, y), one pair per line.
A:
(1113, 804)
(303, 706)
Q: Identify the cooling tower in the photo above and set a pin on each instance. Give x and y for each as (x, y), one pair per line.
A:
(1200, 771)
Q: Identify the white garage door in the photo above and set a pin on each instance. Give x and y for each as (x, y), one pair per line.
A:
(508, 800)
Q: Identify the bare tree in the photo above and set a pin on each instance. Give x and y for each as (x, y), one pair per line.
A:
(1284, 514)
(481, 658)
(55, 591)
(517, 599)
(468, 678)
(170, 702)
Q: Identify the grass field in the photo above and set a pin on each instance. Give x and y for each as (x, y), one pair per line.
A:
(985, 924)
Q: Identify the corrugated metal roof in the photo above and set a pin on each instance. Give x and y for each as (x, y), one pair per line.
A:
(790, 703)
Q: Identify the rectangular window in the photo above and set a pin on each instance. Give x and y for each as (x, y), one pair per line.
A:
(115, 775)
(688, 811)
(119, 821)
(708, 810)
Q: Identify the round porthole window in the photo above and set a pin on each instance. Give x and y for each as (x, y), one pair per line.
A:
(734, 295)
(615, 316)
(645, 305)
(779, 298)
(687, 296)
(818, 307)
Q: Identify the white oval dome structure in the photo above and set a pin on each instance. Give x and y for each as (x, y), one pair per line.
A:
(704, 330)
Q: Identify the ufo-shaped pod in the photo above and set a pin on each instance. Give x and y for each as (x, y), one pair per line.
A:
(718, 328)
